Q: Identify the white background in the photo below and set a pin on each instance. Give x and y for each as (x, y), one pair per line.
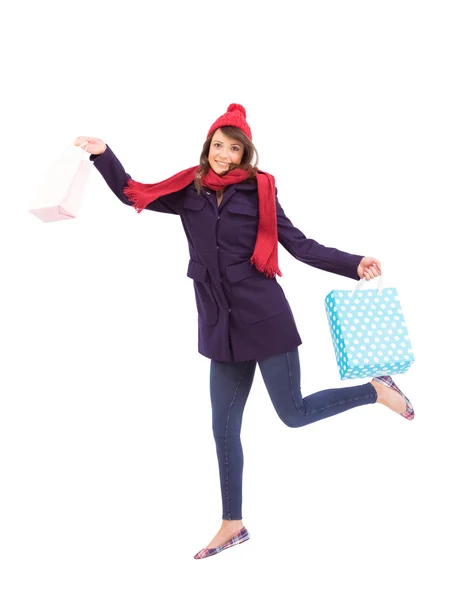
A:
(108, 470)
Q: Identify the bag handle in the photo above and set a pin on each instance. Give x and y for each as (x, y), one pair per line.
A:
(78, 149)
(75, 151)
(362, 281)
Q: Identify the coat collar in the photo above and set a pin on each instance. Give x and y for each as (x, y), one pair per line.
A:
(248, 184)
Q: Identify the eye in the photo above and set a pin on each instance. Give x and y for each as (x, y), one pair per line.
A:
(236, 149)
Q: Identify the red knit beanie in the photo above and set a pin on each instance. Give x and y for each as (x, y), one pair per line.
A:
(234, 117)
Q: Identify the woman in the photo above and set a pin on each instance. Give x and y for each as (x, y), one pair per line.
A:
(233, 222)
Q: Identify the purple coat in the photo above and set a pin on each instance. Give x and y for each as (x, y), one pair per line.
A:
(242, 314)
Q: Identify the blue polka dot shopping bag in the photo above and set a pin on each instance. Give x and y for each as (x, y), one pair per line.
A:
(368, 331)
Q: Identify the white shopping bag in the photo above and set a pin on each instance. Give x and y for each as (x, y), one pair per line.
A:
(60, 194)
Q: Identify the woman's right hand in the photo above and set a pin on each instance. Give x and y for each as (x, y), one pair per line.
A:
(95, 145)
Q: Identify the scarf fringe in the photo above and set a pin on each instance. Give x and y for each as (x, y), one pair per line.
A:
(264, 267)
(133, 195)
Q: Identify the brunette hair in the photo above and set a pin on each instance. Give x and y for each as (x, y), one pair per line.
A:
(246, 163)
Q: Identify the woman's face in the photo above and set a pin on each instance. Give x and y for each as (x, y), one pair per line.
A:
(224, 153)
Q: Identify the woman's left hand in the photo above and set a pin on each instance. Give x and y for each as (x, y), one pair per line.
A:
(369, 267)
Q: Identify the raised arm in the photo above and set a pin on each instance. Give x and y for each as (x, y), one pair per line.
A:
(311, 252)
(116, 178)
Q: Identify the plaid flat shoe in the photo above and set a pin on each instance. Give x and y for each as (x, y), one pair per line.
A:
(408, 413)
(241, 536)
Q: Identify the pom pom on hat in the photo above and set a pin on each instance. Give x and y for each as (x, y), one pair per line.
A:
(239, 107)
(234, 117)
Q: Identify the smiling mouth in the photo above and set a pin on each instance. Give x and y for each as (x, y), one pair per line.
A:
(222, 164)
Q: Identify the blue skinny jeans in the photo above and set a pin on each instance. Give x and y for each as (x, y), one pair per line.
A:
(230, 384)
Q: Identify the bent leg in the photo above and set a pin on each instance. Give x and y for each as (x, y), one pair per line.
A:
(230, 384)
(282, 376)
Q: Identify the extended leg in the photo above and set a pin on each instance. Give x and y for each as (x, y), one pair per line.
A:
(282, 377)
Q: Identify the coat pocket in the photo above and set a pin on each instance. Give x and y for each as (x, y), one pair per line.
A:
(243, 209)
(256, 296)
(206, 304)
(193, 202)
(244, 219)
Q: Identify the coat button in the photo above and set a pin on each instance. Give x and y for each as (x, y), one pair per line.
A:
(217, 247)
(218, 218)
(229, 310)
(208, 193)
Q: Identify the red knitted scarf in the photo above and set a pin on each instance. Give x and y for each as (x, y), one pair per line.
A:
(265, 256)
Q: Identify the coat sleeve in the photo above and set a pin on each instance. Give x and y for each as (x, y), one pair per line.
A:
(116, 178)
(311, 252)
